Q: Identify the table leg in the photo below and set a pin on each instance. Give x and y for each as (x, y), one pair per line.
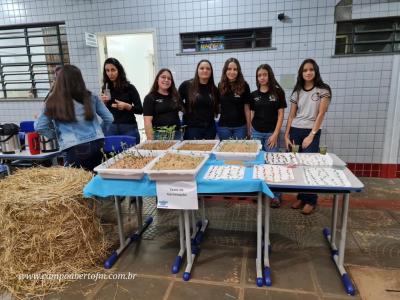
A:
(124, 242)
(139, 212)
(330, 234)
(189, 256)
(202, 224)
(267, 270)
(178, 260)
(259, 279)
(338, 258)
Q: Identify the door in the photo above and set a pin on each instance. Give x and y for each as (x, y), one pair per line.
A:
(135, 51)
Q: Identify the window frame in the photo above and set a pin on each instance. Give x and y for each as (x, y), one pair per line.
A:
(352, 45)
(26, 32)
(225, 40)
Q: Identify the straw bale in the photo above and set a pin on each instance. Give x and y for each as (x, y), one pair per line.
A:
(46, 227)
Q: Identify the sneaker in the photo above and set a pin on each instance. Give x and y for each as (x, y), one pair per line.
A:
(275, 203)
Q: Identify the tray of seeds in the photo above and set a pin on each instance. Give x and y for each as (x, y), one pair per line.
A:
(238, 150)
(129, 164)
(196, 146)
(159, 146)
(175, 166)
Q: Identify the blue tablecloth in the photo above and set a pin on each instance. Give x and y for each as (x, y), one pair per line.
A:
(116, 187)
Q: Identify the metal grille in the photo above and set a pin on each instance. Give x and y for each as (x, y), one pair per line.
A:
(28, 57)
(368, 36)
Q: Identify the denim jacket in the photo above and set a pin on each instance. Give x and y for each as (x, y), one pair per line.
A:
(70, 134)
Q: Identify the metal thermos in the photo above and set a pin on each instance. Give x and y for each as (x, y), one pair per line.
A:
(9, 138)
(48, 145)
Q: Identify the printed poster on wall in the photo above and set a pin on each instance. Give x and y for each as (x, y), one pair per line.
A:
(177, 194)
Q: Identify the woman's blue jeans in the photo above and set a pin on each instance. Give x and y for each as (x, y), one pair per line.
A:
(298, 135)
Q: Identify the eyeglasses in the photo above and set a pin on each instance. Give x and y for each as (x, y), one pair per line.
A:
(165, 78)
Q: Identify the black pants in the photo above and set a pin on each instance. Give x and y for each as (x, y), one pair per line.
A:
(87, 155)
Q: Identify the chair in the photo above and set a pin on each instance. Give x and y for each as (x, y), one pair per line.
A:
(27, 126)
(117, 143)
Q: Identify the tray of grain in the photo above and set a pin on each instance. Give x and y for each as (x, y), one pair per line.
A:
(157, 146)
(196, 146)
(237, 150)
(174, 166)
(129, 164)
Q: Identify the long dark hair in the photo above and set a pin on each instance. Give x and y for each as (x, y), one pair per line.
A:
(238, 86)
(121, 81)
(69, 86)
(171, 90)
(273, 85)
(318, 82)
(194, 87)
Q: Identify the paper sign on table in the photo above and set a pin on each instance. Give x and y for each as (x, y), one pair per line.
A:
(177, 194)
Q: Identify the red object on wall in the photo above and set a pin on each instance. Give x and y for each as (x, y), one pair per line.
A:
(33, 143)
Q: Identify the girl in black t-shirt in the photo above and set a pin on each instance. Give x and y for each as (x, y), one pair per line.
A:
(121, 98)
(199, 98)
(161, 108)
(267, 108)
(268, 104)
(234, 122)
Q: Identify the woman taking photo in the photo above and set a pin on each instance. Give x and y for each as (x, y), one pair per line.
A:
(161, 108)
(72, 111)
(234, 122)
(122, 99)
(267, 107)
(200, 102)
(309, 102)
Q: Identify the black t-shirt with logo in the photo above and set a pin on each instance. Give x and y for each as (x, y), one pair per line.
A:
(162, 108)
(201, 115)
(265, 107)
(128, 94)
(232, 108)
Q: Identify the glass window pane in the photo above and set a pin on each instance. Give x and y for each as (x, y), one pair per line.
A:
(373, 47)
(375, 25)
(373, 36)
(344, 28)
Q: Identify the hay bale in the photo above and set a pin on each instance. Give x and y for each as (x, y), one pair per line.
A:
(47, 227)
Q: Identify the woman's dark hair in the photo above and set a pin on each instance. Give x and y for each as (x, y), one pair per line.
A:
(171, 90)
(238, 86)
(195, 84)
(68, 87)
(273, 85)
(121, 81)
(318, 82)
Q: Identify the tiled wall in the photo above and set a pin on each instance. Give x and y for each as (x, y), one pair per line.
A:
(355, 122)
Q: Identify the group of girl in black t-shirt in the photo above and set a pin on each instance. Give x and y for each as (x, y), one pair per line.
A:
(242, 114)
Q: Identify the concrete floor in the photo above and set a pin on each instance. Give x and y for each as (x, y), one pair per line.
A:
(225, 268)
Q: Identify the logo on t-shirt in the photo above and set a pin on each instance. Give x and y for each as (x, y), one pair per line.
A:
(272, 98)
(159, 100)
(315, 96)
(257, 98)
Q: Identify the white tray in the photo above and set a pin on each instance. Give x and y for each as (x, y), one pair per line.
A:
(212, 142)
(156, 141)
(105, 172)
(237, 155)
(175, 175)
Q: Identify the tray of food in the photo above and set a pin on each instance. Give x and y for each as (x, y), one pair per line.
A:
(237, 150)
(129, 164)
(174, 166)
(157, 145)
(194, 146)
